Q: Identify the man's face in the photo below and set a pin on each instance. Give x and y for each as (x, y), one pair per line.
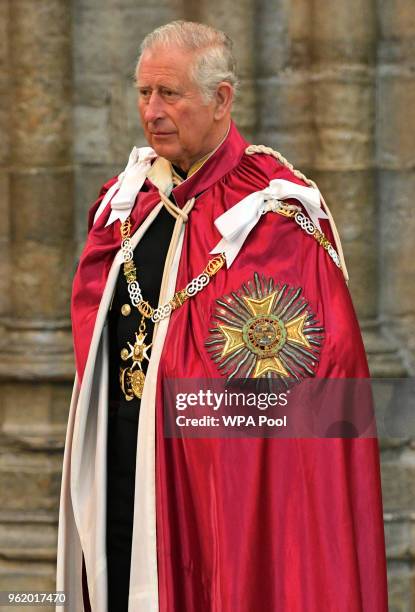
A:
(177, 122)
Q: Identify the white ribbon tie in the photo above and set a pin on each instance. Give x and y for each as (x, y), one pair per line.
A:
(128, 185)
(237, 222)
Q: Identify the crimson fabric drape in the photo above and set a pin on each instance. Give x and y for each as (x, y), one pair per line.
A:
(253, 524)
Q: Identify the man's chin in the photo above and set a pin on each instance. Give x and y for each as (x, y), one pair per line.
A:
(164, 149)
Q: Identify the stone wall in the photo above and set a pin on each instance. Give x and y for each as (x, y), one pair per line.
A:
(329, 84)
(37, 245)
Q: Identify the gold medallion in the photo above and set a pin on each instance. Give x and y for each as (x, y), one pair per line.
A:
(123, 383)
(137, 379)
(132, 378)
(125, 310)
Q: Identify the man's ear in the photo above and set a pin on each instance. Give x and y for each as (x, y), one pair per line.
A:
(224, 98)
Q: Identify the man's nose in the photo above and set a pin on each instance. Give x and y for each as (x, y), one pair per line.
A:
(153, 109)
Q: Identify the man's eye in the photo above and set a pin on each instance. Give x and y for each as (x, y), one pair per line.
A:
(168, 94)
(145, 93)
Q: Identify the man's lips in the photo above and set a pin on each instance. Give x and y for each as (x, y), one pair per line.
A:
(162, 133)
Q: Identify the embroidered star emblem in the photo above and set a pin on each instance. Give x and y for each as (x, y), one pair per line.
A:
(265, 330)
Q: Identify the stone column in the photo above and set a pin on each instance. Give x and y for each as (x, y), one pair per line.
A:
(344, 54)
(283, 32)
(237, 19)
(36, 364)
(344, 115)
(396, 169)
(396, 187)
(5, 105)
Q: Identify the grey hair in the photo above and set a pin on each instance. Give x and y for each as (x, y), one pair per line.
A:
(214, 60)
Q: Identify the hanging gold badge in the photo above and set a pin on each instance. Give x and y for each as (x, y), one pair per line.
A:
(132, 378)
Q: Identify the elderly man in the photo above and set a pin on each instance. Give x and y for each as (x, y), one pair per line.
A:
(209, 259)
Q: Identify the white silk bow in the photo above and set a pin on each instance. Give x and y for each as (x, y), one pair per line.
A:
(237, 222)
(128, 185)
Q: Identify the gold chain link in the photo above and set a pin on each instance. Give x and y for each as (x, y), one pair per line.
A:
(317, 235)
(130, 272)
(145, 309)
(125, 228)
(214, 265)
